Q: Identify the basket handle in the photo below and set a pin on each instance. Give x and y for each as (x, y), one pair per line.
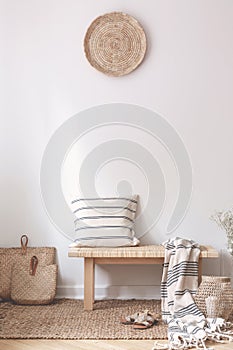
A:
(24, 244)
(33, 265)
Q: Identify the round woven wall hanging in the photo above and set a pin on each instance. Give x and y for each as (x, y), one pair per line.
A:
(115, 44)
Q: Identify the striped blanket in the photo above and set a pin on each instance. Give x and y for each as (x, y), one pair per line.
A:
(187, 326)
(179, 284)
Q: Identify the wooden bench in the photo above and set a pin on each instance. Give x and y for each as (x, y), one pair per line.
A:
(148, 254)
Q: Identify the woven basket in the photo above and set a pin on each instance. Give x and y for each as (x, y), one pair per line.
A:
(32, 283)
(10, 256)
(215, 297)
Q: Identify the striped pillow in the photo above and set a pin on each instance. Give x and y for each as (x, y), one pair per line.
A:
(104, 222)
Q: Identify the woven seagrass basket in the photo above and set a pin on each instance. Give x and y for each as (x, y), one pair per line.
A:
(215, 297)
(33, 283)
(11, 256)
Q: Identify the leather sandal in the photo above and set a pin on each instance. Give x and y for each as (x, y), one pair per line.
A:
(130, 319)
(144, 320)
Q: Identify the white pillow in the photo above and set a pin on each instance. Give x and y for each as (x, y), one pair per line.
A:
(104, 222)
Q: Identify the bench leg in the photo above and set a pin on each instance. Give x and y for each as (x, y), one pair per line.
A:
(89, 283)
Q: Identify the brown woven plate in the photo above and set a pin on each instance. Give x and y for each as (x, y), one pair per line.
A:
(115, 44)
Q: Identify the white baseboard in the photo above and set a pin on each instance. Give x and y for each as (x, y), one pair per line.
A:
(111, 292)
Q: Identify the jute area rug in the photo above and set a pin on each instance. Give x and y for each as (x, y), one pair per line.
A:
(66, 319)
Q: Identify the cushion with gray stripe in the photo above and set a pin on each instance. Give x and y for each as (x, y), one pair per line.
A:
(105, 222)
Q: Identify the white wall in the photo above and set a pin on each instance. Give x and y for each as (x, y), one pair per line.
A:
(187, 76)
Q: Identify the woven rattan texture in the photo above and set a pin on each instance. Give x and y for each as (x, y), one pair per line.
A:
(146, 251)
(115, 44)
(219, 288)
(66, 319)
(10, 256)
(37, 289)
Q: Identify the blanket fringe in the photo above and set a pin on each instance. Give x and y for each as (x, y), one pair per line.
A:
(217, 331)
